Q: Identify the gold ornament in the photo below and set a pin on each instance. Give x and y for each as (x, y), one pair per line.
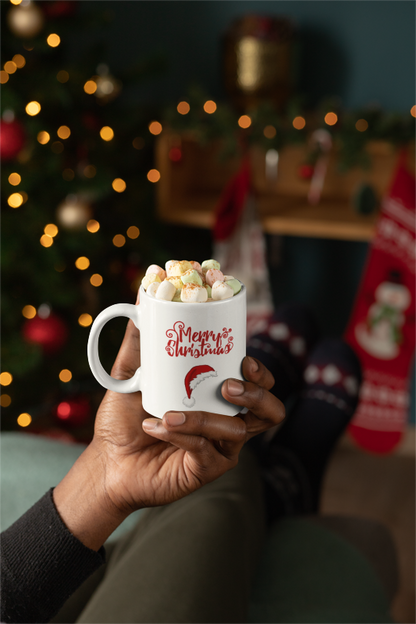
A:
(25, 20)
(108, 87)
(73, 213)
(258, 61)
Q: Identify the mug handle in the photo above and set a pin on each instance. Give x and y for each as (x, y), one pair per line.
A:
(117, 385)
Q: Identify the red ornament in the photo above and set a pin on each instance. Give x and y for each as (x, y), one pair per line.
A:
(74, 412)
(175, 154)
(50, 333)
(306, 171)
(61, 8)
(12, 139)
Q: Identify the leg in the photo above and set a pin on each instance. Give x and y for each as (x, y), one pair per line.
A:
(191, 561)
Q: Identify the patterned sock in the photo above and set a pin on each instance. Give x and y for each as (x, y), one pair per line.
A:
(283, 346)
(303, 445)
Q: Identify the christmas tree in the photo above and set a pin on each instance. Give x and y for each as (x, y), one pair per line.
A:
(78, 202)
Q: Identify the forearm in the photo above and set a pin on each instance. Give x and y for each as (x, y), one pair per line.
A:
(83, 503)
(42, 564)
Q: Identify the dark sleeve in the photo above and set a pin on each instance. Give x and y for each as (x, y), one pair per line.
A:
(42, 564)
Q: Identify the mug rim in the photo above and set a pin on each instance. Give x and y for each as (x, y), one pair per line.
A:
(194, 303)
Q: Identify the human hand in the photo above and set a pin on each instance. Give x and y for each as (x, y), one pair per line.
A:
(138, 461)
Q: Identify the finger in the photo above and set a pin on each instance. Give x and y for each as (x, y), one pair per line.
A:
(224, 434)
(255, 371)
(265, 410)
(128, 357)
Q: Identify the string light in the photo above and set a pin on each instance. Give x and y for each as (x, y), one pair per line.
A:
(133, 232)
(15, 200)
(20, 60)
(413, 111)
(29, 311)
(4, 77)
(16, 2)
(155, 127)
(138, 143)
(119, 240)
(57, 147)
(82, 263)
(46, 241)
(153, 175)
(5, 400)
(62, 76)
(68, 175)
(85, 320)
(107, 133)
(10, 67)
(299, 123)
(119, 185)
(90, 87)
(183, 108)
(93, 226)
(25, 196)
(43, 137)
(269, 132)
(24, 420)
(33, 108)
(331, 119)
(361, 125)
(244, 121)
(64, 132)
(51, 229)
(6, 379)
(14, 179)
(65, 375)
(53, 40)
(90, 171)
(210, 107)
(96, 280)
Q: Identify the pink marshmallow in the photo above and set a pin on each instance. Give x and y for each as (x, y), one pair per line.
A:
(154, 268)
(213, 275)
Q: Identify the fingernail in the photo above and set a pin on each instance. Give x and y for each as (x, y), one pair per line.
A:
(235, 387)
(175, 418)
(150, 424)
(252, 364)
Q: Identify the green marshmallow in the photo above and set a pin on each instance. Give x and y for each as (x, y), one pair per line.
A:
(191, 277)
(234, 284)
(209, 290)
(210, 264)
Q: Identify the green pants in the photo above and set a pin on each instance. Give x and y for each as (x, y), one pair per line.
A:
(191, 561)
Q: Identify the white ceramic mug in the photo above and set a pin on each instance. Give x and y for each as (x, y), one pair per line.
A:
(187, 351)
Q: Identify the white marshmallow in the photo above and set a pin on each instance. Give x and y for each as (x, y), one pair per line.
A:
(152, 289)
(192, 293)
(221, 290)
(166, 291)
(168, 264)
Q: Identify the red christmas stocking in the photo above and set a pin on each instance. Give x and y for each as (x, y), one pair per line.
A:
(382, 325)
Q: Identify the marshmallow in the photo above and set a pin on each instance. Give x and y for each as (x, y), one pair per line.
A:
(196, 266)
(213, 275)
(191, 276)
(155, 268)
(166, 291)
(210, 264)
(234, 284)
(209, 290)
(149, 279)
(177, 282)
(193, 293)
(221, 290)
(179, 268)
(168, 264)
(151, 290)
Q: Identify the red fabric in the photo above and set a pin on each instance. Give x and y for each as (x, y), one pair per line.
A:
(231, 203)
(381, 329)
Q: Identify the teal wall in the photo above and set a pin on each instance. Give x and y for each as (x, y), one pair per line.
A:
(361, 51)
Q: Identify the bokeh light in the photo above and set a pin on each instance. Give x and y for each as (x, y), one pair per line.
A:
(153, 175)
(85, 320)
(210, 107)
(14, 179)
(82, 263)
(331, 119)
(64, 132)
(24, 420)
(96, 280)
(10, 67)
(6, 379)
(269, 132)
(5, 400)
(90, 87)
(43, 137)
(51, 229)
(183, 108)
(107, 133)
(62, 76)
(53, 40)
(46, 241)
(4, 77)
(29, 311)
(413, 111)
(33, 108)
(119, 240)
(299, 123)
(15, 200)
(65, 375)
(93, 226)
(155, 127)
(19, 60)
(119, 185)
(133, 232)
(244, 121)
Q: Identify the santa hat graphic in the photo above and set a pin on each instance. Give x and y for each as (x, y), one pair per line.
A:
(193, 378)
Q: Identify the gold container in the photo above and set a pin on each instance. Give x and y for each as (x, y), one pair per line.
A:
(258, 61)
